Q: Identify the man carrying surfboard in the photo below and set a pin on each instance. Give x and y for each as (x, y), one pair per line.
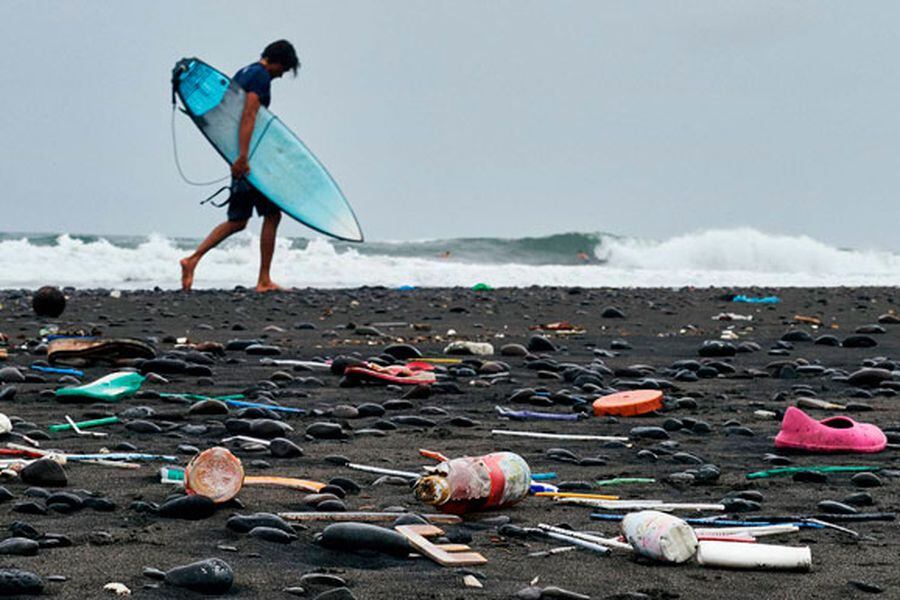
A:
(255, 79)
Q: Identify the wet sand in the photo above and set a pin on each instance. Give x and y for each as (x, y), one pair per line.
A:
(660, 326)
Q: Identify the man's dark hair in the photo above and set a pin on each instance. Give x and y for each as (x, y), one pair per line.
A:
(283, 53)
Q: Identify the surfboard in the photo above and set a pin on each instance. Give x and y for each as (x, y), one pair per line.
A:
(281, 166)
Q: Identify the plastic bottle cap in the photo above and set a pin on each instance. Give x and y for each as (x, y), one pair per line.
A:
(629, 404)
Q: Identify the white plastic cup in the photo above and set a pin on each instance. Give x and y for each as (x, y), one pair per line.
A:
(731, 555)
(660, 536)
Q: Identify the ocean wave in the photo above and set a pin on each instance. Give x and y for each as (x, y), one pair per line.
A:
(736, 257)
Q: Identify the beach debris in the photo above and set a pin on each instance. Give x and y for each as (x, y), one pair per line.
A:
(218, 474)
(660, 536)
(364, 537)
(472, 582)
(780, 471)
(628, 404)
(86, 351)
(447, 555)
(730, 316)
(119, 589)
(756, 299)
(528, 415)
(110, 388)
(731, 555)
(464, 348)
(559, 436)
(366, 516)
(473, 483)
(799, 431)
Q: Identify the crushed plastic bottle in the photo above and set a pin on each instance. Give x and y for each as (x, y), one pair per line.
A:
(474, 483)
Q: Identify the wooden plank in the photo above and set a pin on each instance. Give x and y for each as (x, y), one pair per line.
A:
(416, 536)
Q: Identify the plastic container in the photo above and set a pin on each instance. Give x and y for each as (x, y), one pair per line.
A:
(474, 483)
(660, 536)
(474, 348)
(215, 473)
(754, 556)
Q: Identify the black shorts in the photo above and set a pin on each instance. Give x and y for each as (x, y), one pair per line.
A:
(244, 197)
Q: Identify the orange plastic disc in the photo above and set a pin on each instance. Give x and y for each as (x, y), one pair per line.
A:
(629, 404)
(215, 473)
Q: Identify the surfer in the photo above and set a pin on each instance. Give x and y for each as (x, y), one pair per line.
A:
(277, 58)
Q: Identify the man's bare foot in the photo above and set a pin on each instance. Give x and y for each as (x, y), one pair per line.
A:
(187, 273)
(268, 286)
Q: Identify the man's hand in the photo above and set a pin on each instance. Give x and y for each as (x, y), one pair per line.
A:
(240, 168)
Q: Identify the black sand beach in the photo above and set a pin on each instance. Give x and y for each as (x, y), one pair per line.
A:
(659, 327)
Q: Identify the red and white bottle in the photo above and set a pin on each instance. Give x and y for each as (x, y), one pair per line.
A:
(474, 483)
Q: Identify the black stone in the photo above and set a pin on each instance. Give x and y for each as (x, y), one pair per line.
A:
(210, 576)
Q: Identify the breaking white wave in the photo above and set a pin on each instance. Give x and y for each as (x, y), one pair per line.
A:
(738, 257)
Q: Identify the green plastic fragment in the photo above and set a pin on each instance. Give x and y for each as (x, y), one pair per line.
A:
(818, 469)
(481, 287)
(111, 388)
(85, 424)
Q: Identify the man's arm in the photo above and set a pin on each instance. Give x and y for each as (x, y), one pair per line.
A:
(241, 166)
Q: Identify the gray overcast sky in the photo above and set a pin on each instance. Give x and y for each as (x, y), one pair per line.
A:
(473, 118)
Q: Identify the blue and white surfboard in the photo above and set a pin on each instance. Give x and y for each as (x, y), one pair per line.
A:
(281, 166)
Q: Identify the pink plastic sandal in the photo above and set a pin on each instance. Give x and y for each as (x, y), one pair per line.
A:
(835, 434)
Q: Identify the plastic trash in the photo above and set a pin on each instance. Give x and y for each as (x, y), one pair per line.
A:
(110, 388)
(476, 348)
(660, 536)
(753, 556)
(756, 300)
(473, 483)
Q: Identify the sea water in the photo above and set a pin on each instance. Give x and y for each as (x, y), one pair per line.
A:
(733, 258)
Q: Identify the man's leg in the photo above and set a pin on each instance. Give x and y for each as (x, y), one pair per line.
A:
(215, 237)
(266, 250)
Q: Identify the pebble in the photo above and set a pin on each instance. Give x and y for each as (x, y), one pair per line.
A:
(326, 431)
(539, 343)
(246, 523)
(513, 350)
(869, 377)
(866, 480)
(16, 582)
(210, 576)
(648, 432)
(364, 537)
(44, 472)
(860, 499)
(865, 586)
(11, 375)
(859, 341)
(192, 508)
(19, 546)
(284, 448)
(272, 534)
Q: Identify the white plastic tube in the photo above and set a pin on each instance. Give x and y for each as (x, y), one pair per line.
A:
(754, 556)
